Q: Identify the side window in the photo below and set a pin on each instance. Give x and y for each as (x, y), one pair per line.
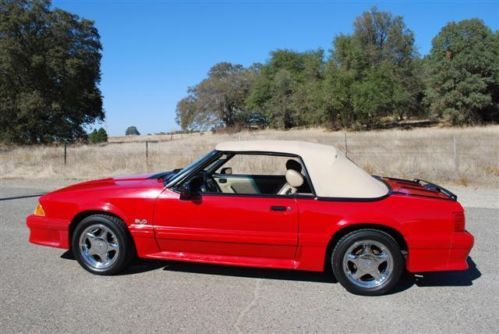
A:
(261, 174)
(253, 164)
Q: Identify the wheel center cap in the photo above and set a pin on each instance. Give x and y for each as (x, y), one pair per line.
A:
(100, 246)
(366, 264)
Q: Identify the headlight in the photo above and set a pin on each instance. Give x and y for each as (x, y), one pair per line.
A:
(39, 210)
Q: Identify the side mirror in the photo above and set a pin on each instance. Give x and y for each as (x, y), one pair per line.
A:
(186, 191)
(191, 188)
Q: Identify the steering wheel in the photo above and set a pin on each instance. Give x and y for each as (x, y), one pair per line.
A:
(209, 184)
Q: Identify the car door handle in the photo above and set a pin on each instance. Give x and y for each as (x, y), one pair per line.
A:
(278, 208)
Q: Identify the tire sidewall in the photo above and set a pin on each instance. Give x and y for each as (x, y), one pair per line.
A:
(367, 234)
(123, 244)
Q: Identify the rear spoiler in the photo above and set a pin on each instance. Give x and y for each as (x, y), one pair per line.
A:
(436, 187)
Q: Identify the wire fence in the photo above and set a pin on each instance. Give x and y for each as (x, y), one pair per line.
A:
(454, 151)
(449, 157)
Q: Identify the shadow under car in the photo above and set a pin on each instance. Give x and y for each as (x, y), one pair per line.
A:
(454, 278)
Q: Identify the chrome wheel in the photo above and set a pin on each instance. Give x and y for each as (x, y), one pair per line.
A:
(368, 263)
(99, 247)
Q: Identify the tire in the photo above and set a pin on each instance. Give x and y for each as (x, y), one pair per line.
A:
(367, 262)
(102, 244)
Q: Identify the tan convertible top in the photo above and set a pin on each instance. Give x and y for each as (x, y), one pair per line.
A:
(331, 173)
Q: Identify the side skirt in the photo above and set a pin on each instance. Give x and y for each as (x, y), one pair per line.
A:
(225, 260)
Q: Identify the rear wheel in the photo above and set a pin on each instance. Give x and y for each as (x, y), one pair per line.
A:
(102, 244)
(367, 262)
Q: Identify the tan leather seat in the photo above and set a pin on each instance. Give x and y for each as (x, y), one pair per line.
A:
(294, 180)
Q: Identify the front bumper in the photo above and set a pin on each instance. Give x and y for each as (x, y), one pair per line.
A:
(48, 231)
(442, 259)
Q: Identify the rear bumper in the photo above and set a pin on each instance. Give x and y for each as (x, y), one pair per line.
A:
(48, 231)
(442, 259)
(461, 247)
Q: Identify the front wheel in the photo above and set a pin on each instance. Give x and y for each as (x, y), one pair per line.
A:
(102, 244)
(367, 262)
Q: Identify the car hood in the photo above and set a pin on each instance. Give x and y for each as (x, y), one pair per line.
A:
(131, 181)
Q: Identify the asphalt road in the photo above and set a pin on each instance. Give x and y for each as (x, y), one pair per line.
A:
(43, 290)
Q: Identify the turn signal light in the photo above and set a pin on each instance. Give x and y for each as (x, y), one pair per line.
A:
(39, 210)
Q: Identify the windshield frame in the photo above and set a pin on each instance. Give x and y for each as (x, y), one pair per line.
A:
(194, 167)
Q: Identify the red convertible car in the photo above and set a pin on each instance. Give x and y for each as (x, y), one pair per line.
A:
(273, 204)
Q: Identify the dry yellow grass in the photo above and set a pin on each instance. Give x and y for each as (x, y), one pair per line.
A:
(426, 153)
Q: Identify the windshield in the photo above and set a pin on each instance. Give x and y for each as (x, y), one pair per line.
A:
(177, 174)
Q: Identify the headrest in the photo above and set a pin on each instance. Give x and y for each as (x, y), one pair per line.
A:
(293, 178)
(293, 164)
(226, 170)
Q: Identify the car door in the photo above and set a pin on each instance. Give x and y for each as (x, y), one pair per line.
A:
(227, 225)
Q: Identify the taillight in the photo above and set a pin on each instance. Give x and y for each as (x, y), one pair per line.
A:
(459, 221)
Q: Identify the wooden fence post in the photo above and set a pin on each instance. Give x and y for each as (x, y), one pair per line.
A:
(147, 150)
(456, 155)
(346, 145)
(65, 154)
